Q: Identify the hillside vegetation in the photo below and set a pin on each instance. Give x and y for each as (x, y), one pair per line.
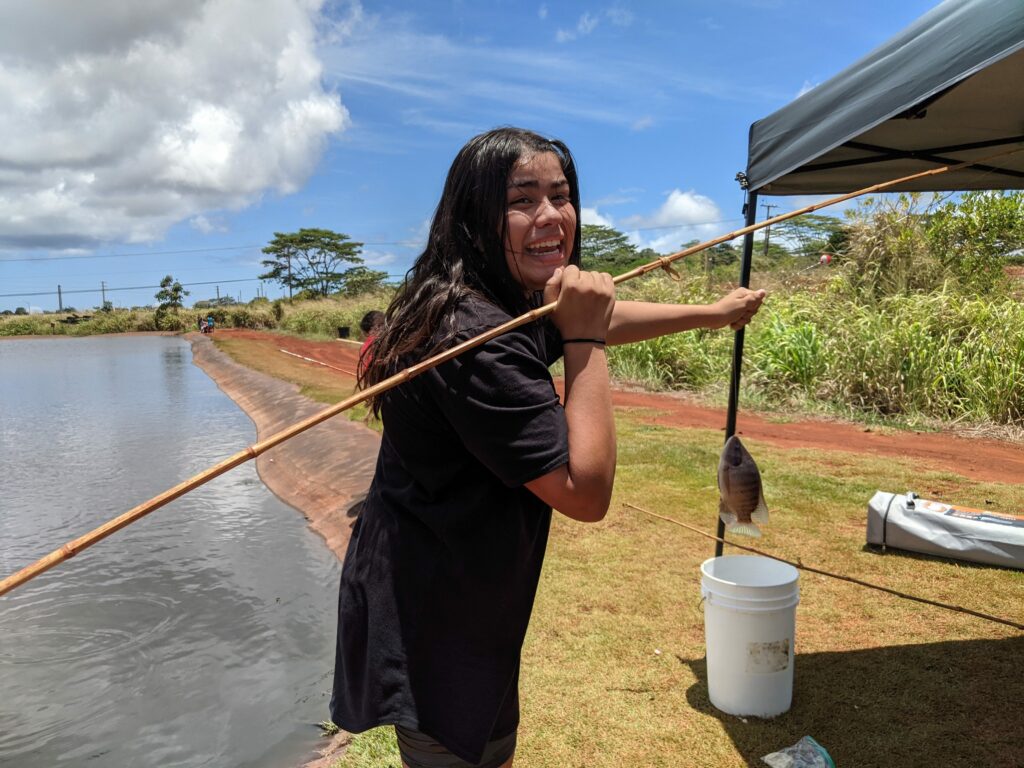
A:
(903, 310)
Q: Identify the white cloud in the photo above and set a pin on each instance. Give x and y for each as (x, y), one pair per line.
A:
(807, 86)
(379, 260)
(680, 208)
(592, 216)
(542, 12)
(206, 225)
(686, 215)
(642, 123)
(122, 119)
(587, 23)
(481, 85)
(622, 196)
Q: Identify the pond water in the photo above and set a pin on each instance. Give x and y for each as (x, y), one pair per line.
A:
(201, 635)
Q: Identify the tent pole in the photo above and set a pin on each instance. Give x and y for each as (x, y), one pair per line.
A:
(750, 209)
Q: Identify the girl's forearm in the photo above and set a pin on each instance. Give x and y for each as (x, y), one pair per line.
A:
(637, 321)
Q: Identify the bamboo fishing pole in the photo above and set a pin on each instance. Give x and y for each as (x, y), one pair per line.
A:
(73, 547)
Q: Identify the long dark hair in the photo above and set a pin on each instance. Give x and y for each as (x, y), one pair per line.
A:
(465, 253)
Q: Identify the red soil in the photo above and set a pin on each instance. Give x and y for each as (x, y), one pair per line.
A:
(974, 458)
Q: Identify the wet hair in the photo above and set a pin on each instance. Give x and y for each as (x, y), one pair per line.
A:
(465, 251)
(371, 320)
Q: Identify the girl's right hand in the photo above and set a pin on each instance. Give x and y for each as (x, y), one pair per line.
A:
(585, 302)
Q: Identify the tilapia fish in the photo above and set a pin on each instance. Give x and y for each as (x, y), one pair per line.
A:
(741, 504)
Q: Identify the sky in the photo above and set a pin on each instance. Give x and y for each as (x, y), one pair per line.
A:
(177, 136)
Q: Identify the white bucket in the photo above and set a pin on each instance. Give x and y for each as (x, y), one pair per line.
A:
(749, 629)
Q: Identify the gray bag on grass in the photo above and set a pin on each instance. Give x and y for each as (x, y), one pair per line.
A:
(918, 525)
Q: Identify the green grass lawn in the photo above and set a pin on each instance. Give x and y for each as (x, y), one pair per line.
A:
(613, 668)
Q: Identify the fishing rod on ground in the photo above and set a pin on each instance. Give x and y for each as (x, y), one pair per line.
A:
(73, 547)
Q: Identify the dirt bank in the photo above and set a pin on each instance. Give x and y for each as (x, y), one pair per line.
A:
(323, 473)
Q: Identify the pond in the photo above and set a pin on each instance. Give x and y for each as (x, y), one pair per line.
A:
(201, 635)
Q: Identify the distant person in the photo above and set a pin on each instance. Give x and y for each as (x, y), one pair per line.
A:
(202, 325)
(209, 324)
(370, 325)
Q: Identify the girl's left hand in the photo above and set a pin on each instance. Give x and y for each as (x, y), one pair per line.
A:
(737, 308)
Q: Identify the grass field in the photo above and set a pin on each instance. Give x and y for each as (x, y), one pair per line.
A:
(613, 668)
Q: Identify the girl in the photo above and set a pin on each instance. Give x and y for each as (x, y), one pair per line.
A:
(441, 571)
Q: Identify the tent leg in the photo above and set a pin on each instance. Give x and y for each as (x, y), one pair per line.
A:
(737, 351)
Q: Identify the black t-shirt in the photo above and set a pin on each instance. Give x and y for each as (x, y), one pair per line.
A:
(442, 568)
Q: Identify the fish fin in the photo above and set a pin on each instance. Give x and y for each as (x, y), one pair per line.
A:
(760, 514)
(745, 529)
(727, 515)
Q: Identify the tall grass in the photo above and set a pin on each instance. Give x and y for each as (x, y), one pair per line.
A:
(324, 317)
(938, 355)
(137, 320)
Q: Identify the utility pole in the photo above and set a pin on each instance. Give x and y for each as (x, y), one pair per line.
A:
(60, 300)
(103, 290)
(218, 295)
(767, 230)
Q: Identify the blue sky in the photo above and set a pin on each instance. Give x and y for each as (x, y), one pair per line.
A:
(161, 137)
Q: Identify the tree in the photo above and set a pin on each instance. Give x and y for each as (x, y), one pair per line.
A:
(20, 311)
(170, 294)
(974, 236)
(310, 260)
(812, 234)
(606, 249)
(360, 280)
(888, 251)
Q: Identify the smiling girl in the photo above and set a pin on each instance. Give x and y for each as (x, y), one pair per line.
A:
(441, 571)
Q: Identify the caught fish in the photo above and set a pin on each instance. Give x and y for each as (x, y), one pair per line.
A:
(741, 504)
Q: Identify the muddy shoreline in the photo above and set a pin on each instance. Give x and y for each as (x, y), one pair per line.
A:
(323, 473)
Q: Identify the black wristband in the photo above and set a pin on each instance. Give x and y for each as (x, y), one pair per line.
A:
(599, 342)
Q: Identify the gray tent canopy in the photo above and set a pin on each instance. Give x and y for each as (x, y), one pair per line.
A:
(949, 88)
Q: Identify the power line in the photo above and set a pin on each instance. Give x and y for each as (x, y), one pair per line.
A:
(126, 288)
(105, 288)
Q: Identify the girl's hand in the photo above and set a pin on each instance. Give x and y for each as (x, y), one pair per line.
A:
(585, 302)
(737, 308)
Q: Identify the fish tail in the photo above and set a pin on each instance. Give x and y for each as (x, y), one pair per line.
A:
(760, 514)
(727, 515)
(745, 529)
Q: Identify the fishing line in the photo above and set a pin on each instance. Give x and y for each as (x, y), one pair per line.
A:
(820, 572)
(318, 362)
(73, 547)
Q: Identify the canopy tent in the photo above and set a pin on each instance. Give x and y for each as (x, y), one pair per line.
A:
(949, 88)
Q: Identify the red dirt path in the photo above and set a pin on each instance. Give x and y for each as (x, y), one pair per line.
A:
(974, 458)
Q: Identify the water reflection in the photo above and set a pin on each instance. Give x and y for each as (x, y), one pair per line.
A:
(201, 635)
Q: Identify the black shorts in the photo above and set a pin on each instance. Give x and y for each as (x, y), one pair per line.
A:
(421, 751)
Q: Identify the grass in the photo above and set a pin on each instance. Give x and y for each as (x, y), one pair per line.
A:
(323, 385)
(613, 667)
(598, 692)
